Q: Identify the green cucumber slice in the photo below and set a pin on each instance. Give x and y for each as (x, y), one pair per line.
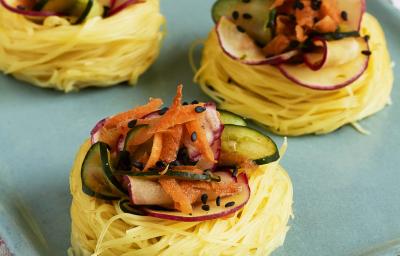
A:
(248, 143)
(97, 176)
(85, 9)
(252, 16)
(131, 135)
(231, 118)
(126, 206)
(58, 6)
(155, 174)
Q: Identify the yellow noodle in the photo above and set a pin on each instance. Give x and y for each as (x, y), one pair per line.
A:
(100, 52)
(264, 95)
(101, 228)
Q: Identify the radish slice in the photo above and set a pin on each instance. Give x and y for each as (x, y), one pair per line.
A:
(332, 76)
(355, 10)
(214, 212)
(330, 53)
(143, 191)
(95, 132)
(240, 46)
(117, 6)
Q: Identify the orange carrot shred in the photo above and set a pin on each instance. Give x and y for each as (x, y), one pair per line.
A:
(201, 142)
(171, 143)
(172, 188)
(155, 151)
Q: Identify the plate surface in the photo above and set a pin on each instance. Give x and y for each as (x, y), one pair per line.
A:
(346, 185)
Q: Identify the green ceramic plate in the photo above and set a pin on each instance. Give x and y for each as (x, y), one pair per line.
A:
(347, 185)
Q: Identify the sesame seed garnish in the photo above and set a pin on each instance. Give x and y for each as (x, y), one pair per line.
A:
(205, 207)
(218, 200)
(230, 204)
(138, 165)
(316, 5)
(366, 52)
(163, 111)
(246, 1)
(344, 15)
(235, 15)
(193, 136)
(247, 16)
(199, 109)
(160, 164)
(185, 103)
(298, 5)
(132, 123)
(240, 29)
(366, 38)
(204, 198)
(195, 102)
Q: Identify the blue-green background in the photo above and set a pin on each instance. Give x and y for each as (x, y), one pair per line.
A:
(346, 185)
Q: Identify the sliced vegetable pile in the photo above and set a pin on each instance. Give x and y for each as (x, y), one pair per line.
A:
(314, 43)
(76, 11)
(179, 163)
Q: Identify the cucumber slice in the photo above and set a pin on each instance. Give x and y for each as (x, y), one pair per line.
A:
(97, 176)
(131, 135)
(251, 16)
(231, 118)
(58, 6)
(126, 206)
(155, 174)
(248, 143)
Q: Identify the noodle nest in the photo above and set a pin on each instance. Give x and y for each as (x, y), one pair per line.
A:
(100, 52)
(263, 94)
(101, 228)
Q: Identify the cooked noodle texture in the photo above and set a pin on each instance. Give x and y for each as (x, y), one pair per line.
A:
(101, 228)
(263, 94)
(100, 52)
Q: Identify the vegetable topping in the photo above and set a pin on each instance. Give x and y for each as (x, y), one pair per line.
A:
(172, 158)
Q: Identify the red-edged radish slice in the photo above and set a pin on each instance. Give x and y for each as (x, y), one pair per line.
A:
(330, 53)
(144, 191)
(355, 10)
(200, 214)
(240, 46)
(95, 132)
(331, 77)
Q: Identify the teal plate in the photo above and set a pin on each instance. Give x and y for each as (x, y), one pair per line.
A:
(346, 185)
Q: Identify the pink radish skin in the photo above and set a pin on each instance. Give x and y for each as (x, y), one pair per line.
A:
(95, 132)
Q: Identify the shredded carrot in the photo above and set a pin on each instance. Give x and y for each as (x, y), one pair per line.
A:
(136, 113)
(171, 142)
(220, 189)
(277, 3)
(326, 25)
(201, 143)
(277, 45)
(172, 188)
(329, 8)
(155, 151)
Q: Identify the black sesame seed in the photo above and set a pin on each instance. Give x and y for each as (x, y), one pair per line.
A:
(315, 19)
(160, 164)
(230, 204)
(366, 52)
(132, 123)
(185, 103)
(193, 136)
(235, 15)
(344, 15)
(163, 111)
(235, 171)
(259, 44)
(210, 87)
(138, 165)
(316, 5)
(294, 44)
(195, 102)
(205, 207)
(240, 29)
(199, 109)
(218, 200)
(366, 38)
(247, 16)
(298, 5)
(230, 80)
(204, 198)
(246, 1)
